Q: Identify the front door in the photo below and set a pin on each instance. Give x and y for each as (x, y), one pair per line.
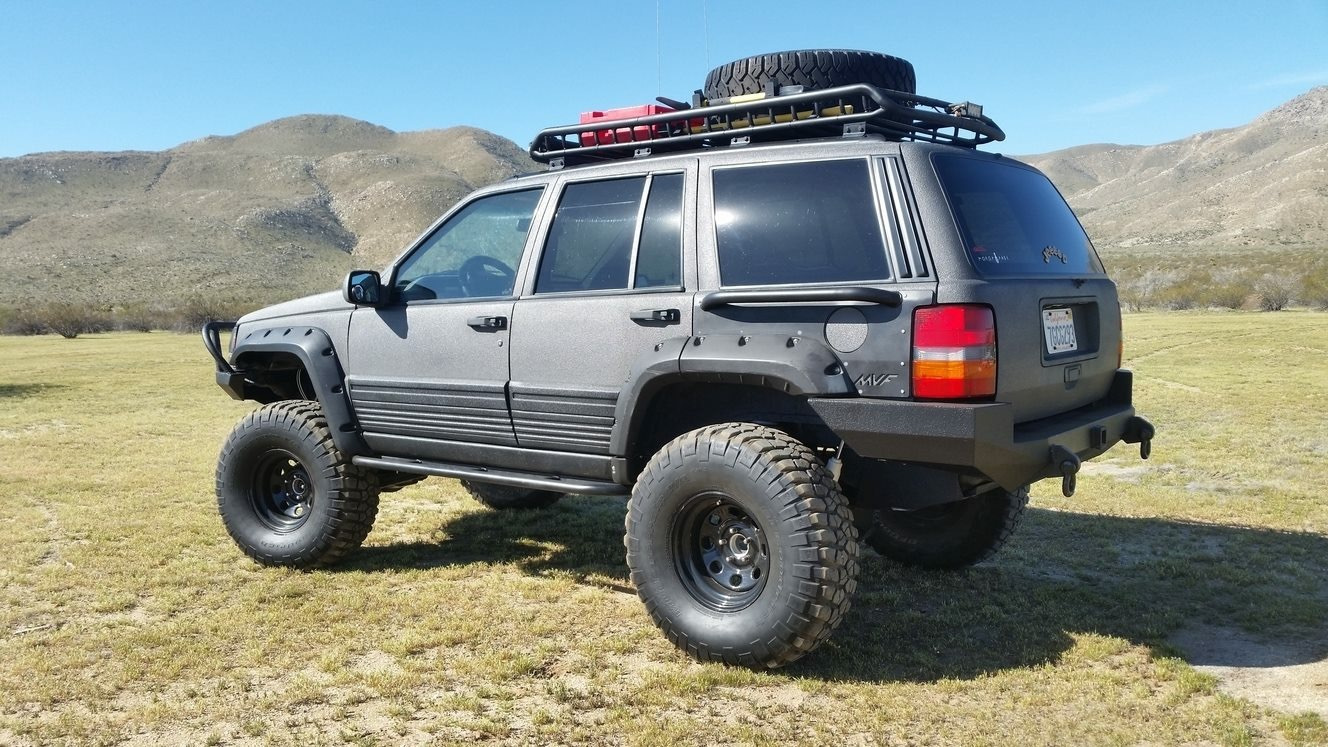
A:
(428, 372)
(610, 285)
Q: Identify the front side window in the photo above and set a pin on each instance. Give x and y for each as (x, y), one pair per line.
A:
(474, 254)
(800, 223)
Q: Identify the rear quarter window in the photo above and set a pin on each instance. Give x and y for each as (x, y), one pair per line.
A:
(1012, 220)
(798, 223)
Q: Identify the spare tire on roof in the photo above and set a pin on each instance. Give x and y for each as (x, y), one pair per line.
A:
(811, 68)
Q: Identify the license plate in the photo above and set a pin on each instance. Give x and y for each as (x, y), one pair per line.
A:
(1058, 329)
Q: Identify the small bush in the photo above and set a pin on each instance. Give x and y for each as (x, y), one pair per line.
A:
(1314, 289)
(1275, 291)
(136, 318)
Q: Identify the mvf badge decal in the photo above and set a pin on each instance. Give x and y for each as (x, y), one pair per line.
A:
(875, 379)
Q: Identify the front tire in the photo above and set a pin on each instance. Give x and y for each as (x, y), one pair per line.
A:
(741, 545)
(948, 536)
(286, 495)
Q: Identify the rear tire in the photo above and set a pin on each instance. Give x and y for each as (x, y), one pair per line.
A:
(741, 545)
(286, 495)
(811, 68)
(503, 497)
(947, 536)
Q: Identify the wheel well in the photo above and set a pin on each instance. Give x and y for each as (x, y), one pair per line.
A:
(277, 376)
(684, 406)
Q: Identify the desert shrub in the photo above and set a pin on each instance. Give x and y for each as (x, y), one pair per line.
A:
(68, 320)
(192, 314)
(1314, 289)
(1226, 295)
(135, 318)
(22, 322)
(1274, 291)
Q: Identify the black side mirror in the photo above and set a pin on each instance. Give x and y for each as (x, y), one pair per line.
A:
(363, 288)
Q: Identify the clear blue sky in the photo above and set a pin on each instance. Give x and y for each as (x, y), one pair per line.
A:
(153, 74)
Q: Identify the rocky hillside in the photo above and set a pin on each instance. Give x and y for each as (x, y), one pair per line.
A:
(287, 207)
(1263, 185)
(280, 209)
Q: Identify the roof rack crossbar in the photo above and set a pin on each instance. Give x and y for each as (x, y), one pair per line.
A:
(892, 114)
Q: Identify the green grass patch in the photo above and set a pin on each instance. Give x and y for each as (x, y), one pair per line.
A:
(127, 614)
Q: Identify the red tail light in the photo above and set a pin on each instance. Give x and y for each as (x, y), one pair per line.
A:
(954, 352)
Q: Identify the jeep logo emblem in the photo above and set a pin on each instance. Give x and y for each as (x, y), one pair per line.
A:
(867, 381)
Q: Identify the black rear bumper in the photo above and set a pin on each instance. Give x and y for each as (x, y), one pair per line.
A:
(984, 437)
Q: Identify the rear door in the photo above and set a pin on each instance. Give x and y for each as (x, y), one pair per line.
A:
(612, 281)
(1057, 314)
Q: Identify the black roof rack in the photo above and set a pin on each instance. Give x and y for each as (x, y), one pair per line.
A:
(832, 112)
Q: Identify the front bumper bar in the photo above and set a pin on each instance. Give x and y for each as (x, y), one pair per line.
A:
(984, 437)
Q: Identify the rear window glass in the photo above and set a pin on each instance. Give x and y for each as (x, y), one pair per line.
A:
(798, 223)
(1012, 220)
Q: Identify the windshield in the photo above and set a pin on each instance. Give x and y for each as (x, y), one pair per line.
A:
(1012, 220)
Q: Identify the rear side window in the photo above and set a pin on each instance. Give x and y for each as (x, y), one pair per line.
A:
(590, 243)
(659, 257)
(602, 238)
(799, 223)
(1012, 220)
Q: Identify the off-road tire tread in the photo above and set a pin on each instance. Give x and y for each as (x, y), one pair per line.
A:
(813, 68)
(1001, 516)
(809, 497)
(502, 497)
(352, 501)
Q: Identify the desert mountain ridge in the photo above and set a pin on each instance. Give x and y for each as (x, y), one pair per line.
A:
(287, 207)
(1263, 184)
(279, 209)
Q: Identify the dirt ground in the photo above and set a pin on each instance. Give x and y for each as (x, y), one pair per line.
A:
(1286, 676)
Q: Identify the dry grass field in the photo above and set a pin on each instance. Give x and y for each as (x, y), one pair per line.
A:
(127, 616)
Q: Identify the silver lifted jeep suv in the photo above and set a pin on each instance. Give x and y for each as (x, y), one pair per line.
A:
(800, 313)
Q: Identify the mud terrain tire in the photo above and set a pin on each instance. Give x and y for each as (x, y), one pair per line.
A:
(948, 536)
(812, 68)
(741, 545)
(287, 496)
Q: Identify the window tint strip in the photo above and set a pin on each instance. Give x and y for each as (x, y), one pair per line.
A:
(889, 225)
(658, 261)
(640, 226)
(904, 220)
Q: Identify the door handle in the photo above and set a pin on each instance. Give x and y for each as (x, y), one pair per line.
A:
(666, 316)
(488, 322)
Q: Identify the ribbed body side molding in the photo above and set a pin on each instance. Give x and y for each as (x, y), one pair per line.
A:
(564, 419)
(469, 411)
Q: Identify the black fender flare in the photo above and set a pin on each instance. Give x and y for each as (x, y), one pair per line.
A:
(793, 365)
(313, 347)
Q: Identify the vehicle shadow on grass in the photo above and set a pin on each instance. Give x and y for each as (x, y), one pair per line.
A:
(25, 390)
(1062, 575)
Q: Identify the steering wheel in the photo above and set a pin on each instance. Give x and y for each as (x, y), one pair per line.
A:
(483, 275)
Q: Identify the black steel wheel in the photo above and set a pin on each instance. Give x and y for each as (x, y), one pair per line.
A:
(949, 535)
(720, 552)
(286, 495)
(282, 492)
(741, 545)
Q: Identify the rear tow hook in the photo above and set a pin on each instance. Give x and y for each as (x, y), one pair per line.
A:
(1067, 463)
(1140, 431)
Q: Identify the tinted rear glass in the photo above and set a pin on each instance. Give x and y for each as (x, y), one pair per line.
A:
(798, 223)
(1012, 220)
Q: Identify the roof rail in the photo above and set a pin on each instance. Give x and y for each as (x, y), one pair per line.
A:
(843, 111)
